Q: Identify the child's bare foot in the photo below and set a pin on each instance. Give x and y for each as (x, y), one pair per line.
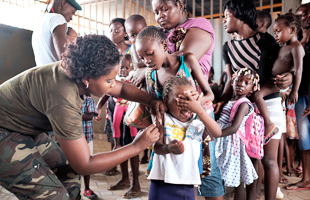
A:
(270, 131)
(119, 185)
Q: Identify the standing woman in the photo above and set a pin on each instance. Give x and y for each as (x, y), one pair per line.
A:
(47, 98)
(256, 51)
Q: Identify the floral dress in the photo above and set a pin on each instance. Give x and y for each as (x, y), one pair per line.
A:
(234, 163)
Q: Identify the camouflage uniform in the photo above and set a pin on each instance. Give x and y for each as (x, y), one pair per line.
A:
(34, 167)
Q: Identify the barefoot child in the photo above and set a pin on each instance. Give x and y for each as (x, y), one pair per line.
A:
(289, 59)
(234, 163)
(175, 166)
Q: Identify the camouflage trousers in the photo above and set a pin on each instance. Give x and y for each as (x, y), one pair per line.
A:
(34, 167)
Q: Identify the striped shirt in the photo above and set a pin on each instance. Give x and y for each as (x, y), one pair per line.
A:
(243, 53)
(257, 52)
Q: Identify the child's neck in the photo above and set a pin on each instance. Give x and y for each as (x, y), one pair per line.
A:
(293, 39)
(237, 97)
(171, 61)
(122, 46)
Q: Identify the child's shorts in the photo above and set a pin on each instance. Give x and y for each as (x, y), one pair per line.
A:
(159, 190)
(212, 185)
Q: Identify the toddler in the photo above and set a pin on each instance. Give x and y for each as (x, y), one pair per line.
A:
(289, 59)
(175, 163)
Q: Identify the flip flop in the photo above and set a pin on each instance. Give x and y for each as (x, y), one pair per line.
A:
(290, 174)
(268, 137)
(283, 180)
(144, 161)
(297, 187)
(299, 170)
(111, 172)
(117, 187)
(131, 194)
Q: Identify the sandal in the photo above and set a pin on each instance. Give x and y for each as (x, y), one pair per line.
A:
(131, 194)
(290, 174)
(117, 187)
(111, 172)
(299, 170)
(274, 131)
(283, 180)
(144, 161)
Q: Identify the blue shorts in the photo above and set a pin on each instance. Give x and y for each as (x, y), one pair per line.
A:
(159, 190)
(303, 123)
(212, 185)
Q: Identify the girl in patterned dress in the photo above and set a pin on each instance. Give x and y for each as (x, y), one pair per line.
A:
(234, 163)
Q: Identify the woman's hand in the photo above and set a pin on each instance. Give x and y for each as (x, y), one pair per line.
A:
(146, 137)
(283, 81)
(176, 147)
(293, 97)
(158, 108)
(306, 111)
(138, 77)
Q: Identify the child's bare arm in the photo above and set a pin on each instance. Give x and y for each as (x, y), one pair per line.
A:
(193, 65)
(194, 106)
(160, 148)
(100, 104)
(242, 111)
(88, 116)
(298, 54)
(227, 93)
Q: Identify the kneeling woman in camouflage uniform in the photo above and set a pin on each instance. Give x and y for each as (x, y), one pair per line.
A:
(48, 98)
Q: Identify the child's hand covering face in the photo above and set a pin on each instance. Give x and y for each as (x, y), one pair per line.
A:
(190, 101)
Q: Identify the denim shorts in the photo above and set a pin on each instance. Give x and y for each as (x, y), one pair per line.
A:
(303, 123)
(212, 185)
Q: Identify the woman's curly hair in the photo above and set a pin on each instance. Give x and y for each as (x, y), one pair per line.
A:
(90, 56)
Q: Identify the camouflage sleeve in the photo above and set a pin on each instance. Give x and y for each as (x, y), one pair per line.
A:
(66, 122)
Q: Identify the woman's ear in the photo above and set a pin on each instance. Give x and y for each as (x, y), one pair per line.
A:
(85, 81)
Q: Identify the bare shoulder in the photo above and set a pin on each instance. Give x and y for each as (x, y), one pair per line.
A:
(189, 57)
(190, 60)
(297, 48)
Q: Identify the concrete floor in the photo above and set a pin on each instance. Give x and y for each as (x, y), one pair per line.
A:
(100, 182)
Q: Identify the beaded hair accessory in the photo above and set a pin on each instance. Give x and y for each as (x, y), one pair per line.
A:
(254, 78)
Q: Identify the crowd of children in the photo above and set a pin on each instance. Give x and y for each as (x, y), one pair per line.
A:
(251, 85)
